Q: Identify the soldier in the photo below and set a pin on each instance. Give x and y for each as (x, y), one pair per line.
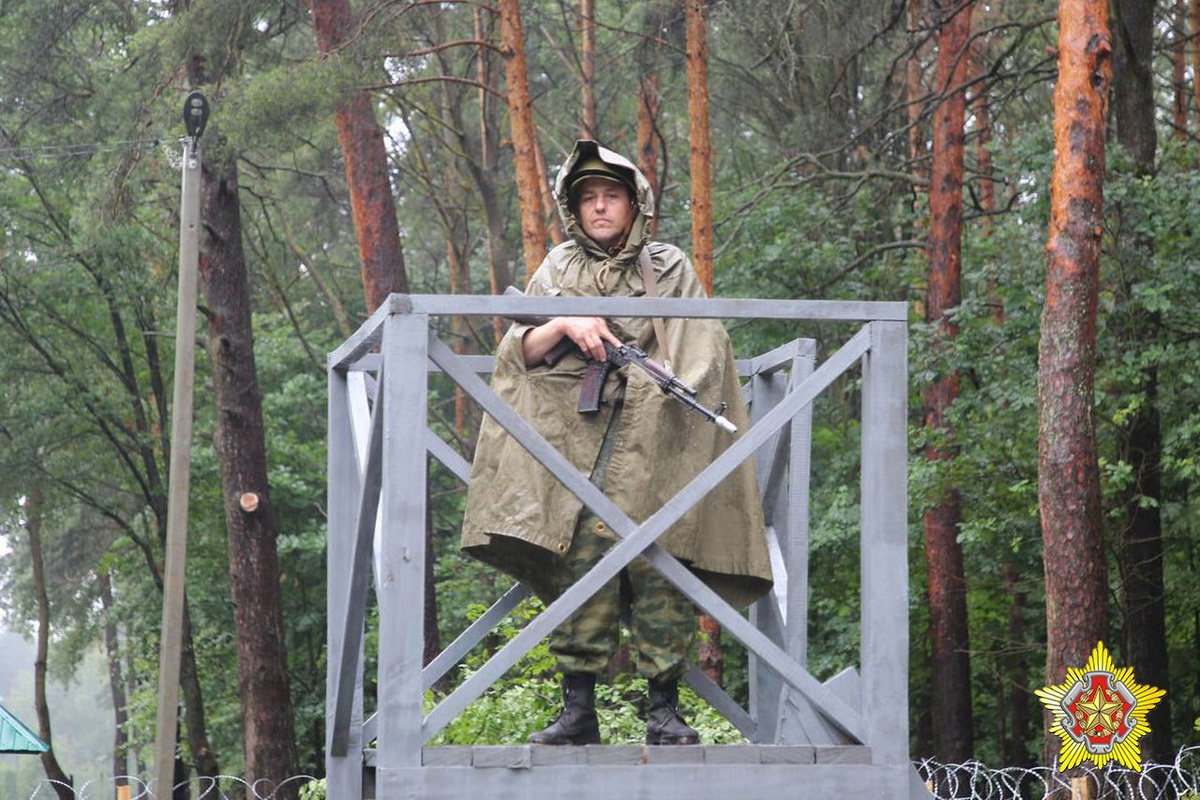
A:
(641, 448)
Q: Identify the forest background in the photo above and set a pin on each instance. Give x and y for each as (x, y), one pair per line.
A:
(843, 150)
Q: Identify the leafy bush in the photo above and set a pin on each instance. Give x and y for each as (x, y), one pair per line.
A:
(314, 790)
(529, 696)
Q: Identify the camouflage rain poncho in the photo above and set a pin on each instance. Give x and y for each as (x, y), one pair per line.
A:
(519, 517)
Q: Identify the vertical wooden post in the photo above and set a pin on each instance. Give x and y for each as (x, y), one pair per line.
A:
(884, 544)
(170, 646)
(795, 519)
(766, 687)
(343, 763)
(401, 581)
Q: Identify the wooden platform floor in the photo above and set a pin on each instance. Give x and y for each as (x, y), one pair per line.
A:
(527, 756)
(602, 772)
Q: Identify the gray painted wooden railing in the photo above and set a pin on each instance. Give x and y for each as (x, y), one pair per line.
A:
(846, 737)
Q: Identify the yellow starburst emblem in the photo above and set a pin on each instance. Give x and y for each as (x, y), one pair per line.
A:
(1100, 713)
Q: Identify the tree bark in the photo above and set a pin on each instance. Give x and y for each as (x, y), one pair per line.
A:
(263, 686)
(587, 40)
(1194, 38)
(193, 711)
(116, 684)
(62, 782)
(549, 206)
(360, 137)
(710, 654)
(1068, 472)
(982, 109)
(914, 100)
(1140, 559)
(1179, 71)
(649, 107)
(1133, 81)
(1015, 669)
(700, 147)
(1140, 551)
(524, 134)
(452, 204)
(482, 172)
(953, 741)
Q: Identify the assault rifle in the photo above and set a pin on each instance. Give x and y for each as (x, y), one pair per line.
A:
(596, 372)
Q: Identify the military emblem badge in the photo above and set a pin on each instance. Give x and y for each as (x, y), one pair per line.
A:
(1100, 713)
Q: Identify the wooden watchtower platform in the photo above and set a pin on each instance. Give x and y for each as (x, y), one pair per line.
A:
(844, 738)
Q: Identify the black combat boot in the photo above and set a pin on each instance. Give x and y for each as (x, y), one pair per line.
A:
(663, 723)
(576, 723)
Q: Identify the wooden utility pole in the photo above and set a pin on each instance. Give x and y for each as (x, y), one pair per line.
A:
(171, 641)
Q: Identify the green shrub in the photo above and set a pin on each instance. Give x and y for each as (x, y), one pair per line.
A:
(529, 696)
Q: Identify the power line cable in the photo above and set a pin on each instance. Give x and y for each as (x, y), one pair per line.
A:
(53, 151)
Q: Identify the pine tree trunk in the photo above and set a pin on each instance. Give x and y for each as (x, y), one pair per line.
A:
(1194, 38)
(549, 207)
(116, 683)
(263, 685)
(981, 108)
(1015, 670)
(360, 137)
(524, 134)
(649, 107)
(914, 100)
(953, 741)
(587, 46)
(710, 655)
(1140, 551)
(61, 782)
(1068, 473)
(193, 711)
(701, 149)
(482, 172)
(1179, 71)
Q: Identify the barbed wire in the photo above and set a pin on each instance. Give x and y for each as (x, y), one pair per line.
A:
(222, 787)
(970, 780)
(973, 780)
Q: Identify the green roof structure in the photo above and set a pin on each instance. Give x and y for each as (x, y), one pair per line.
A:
(15, 737)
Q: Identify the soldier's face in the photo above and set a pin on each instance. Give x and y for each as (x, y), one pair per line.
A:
(606, 211)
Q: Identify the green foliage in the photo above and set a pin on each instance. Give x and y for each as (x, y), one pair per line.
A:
(314, 790)
(528, 697)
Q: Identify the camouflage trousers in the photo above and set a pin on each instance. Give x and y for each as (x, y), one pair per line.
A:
(660, 618)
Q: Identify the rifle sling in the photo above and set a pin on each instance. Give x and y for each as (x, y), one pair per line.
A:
(651, 284)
